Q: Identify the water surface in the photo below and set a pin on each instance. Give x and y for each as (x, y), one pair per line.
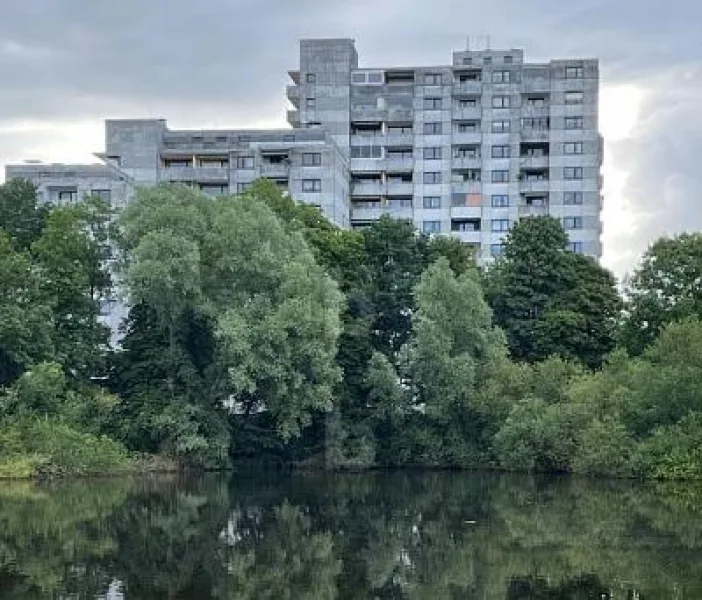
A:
(386, 536)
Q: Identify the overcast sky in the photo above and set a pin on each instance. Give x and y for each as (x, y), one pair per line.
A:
(65, 65)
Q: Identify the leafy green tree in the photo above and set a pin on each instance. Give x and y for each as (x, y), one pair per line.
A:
(25, 316)
(21, 215)
(551, 301)
(73, 252)
(665, 287)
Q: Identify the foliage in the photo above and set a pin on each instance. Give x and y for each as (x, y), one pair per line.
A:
(21, 215)
(666, 287)
(550, 301)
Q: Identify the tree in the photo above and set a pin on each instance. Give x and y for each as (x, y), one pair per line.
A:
(25, 317)
(73, 251)
(666, 287)
(551, 301)
(21, 215)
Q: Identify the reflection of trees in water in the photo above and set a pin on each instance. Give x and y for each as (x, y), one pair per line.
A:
(387, 536)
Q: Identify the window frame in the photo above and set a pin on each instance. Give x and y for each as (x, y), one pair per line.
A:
(311, 186)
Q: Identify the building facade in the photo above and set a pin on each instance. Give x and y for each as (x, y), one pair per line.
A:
(467, 148)
(305, 162)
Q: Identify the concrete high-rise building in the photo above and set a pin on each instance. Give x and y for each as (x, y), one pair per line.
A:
(464, 149)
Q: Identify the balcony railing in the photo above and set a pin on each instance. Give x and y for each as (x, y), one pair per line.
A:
(199, 174)
(467, 87)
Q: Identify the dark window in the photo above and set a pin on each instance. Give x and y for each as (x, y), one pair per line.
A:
(105, 195)
(431, 202)
(501, 76)
(573, 122)
(432, 128)
(432, 153)
(500, 102)
(311, 185)
(572, 173)
(501, 126)
(245, 162)
(571, 198)
(573, 148)
(311, 159)
(574, 72)
(499, 225)
(431, 226)
(432, 177)
(432, 103)
(500, 200)
(311, 78)
(500, 152)
(500, 176)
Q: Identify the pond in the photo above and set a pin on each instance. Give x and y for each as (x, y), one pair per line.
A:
(386, 536)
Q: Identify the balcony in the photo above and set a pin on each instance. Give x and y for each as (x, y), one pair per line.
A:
(198, 174)
(467, 87)
(404, 163)
(468, 237)
(399, 139)
(275, 169)
(293, 94)
(535, 135)
(293, 117)
(367, 188)
(534, 185)
(466, 162)
(368, 113)
(466, 113)
(466, 187)
(400, 114)
(536, 85)
(534, 162)
(460, 138)
(535, 112)
(367, 165)
(400, 188)
(370, 211)
(533, 211)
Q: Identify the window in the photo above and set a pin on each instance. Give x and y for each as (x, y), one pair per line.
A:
(500, 152)
(574, 72)
(573, 148)
(311, 159)
(500, 201)
(358, 77)
(496, 250)
(310, 103)
(508, 60)
(105, 195)
(432, 153)
(501, 76)
(468, 103)
(68, 196)
(431, 202)
(500, 176)
(499, 225)
(432, 103)
(574, 97)
(571, 198)
(470, 127)
(576, 247)
(466, 225)
(311, 78)
(432, 128)
(536, 101)
(500, 102)
(366, 152)
(400, 202)
(432, 79)
(572, 222)
(537, 124)
(467, 60)
(244, 162)
(431, 226)
(311, 185)
(501, 126)
(432, 177)
(487, 60)
(572, 173)
(399, 154)
(242, 186)
(288, 138)
(573, 122)
(399, 129)
(375, 78)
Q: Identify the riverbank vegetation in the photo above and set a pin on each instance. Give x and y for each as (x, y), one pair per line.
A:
(260, 331)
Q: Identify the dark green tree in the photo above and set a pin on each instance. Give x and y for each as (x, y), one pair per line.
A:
(21, 214)
(551, 301)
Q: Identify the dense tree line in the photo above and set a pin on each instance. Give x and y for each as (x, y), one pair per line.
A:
(259, 330)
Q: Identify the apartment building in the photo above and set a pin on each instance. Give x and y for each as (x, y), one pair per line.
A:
(464, 149)
(144, 152)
